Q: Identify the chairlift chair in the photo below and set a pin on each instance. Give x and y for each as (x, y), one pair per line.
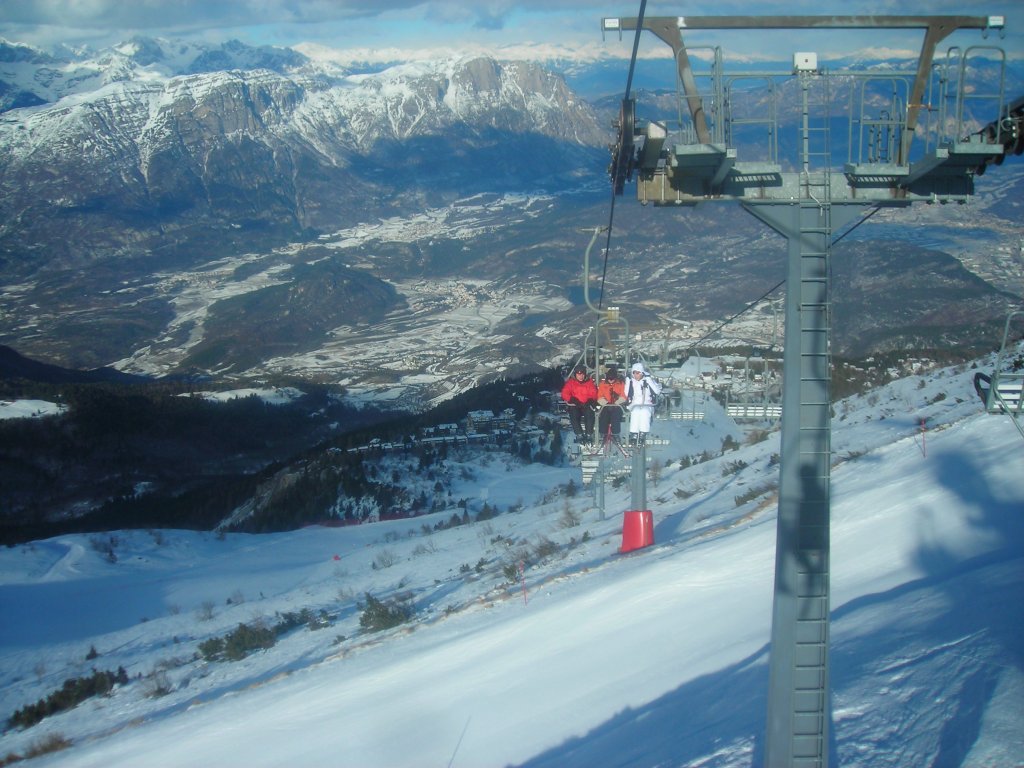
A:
(1002, 391)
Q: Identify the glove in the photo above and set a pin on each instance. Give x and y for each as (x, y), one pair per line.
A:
(574, 401)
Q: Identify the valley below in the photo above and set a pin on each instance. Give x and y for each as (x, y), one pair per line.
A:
(408, 311)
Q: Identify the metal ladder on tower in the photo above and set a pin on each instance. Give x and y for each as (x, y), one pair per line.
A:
(811, 638)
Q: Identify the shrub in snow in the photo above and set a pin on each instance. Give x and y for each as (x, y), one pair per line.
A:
(157, 684)
(752, 493)
(105, 547)
(383, 559)
(544, 548)
(511, 571)
(246, 638)
(733, 467)
(53, 742)
(72, 693)
(312, 620)
(238, 643)
(756, 436)
(378, 615)
(424, 549)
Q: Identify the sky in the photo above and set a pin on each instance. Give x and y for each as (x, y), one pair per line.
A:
(571, 27)
(586, 657)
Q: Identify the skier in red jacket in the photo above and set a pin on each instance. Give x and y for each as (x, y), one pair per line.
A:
(580, 394)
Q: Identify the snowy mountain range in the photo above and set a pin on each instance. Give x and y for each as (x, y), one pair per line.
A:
(260, 140)
(523, 637)
(168, 207)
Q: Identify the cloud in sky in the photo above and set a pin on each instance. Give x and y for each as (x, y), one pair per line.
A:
(572, 25)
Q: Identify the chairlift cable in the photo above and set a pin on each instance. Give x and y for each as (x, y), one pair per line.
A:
(615, 160)
(856, 224)
(775, 287)
(746, 309)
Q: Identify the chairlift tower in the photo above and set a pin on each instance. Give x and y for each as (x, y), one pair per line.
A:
(808, 203)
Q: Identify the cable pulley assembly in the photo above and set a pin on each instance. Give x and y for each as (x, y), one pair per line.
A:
(624, 149)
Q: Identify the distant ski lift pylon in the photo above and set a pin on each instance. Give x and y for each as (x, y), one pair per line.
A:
(1002, 392)
(685, 404)
(758, 397)
(682, 398)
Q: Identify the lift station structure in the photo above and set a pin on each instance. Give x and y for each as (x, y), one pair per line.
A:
(912, 138)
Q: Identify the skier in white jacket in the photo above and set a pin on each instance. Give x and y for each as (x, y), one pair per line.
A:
(641, 392)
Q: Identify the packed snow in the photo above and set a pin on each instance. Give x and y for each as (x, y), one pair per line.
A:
(271, 396)
(582, 656)
(29, 409)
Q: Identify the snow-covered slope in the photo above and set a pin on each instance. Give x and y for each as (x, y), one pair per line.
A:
(584, 657)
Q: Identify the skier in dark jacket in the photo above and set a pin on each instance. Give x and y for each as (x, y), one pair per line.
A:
(611, 396)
